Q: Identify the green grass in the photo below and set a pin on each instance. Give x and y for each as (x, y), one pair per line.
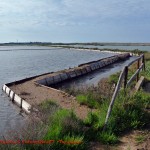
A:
(61, 125)
(146, 73)
(87, 100)
(128, 113)
(108, 138)
(65, 126)
(114, 78)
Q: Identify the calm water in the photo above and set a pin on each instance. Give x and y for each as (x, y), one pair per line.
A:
(24, 61)
(94, 77)
(144, 48)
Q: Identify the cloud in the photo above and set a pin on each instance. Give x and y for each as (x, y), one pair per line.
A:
(52, 15)
(69, 12)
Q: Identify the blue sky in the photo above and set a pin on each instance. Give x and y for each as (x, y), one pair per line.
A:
(75, 20)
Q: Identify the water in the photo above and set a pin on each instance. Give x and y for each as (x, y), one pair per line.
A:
(94, 77)
(15, 48)
(25, 61)
(144, 48)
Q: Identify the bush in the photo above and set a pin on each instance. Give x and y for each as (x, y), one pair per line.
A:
(108, 138)
(65, 126)
(128, 113)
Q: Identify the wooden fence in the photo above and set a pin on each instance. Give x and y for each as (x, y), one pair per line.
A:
(124, 78)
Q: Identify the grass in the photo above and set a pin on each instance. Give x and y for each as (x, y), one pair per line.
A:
(61, 125)
(113, 79)
(127, 115)
(88, 100)
(47, 104)
(147, 56)
(140, 139)
(108, 138)
(64, 125)
(70, 133)
(146, 73)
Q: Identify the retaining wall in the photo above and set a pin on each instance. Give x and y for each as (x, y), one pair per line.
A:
(81, 70)
(17, 99)
(51, 78)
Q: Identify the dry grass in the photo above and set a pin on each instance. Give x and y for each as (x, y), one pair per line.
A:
(147, 56)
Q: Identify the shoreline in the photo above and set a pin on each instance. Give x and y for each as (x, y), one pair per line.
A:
(32, 91)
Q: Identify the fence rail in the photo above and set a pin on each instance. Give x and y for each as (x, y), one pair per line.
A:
(124, 77)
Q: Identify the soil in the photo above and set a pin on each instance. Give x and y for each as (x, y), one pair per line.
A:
(35, 94)
(127, 142)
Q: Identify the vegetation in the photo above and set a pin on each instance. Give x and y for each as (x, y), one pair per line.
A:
(61, 126)
(140, 139)
(70, 133)
(88, 100)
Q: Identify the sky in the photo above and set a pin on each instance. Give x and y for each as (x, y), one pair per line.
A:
(74, 21)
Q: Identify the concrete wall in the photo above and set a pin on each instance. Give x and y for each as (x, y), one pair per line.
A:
(61, 76)
(17, 99)
(81, 70)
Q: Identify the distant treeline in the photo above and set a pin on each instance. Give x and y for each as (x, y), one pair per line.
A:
(91, 43)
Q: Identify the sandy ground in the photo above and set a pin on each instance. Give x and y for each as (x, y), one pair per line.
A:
(34, 94)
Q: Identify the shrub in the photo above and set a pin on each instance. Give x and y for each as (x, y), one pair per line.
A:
(108, 138)
(65, 126)
(128, 113)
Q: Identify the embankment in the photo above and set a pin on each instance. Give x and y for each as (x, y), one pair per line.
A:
(30, 92)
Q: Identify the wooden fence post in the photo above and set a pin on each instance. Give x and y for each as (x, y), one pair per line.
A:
(113, 98)
(138, 65)
(125, 76)
(143, 61)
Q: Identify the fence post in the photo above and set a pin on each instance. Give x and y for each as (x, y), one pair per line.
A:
(125, 76)
(113, 98)
(138, 65)
(143, 61)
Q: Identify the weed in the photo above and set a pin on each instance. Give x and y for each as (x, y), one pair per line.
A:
(128, 113)
(108, 138)
(64, 125)
(114, 78)
(47, 104)
(140, 139)
(87, 100)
